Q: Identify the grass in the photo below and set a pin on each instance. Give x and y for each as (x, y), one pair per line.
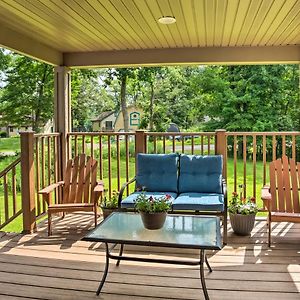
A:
(11, 144)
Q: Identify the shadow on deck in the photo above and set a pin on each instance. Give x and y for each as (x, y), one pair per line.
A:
(64, 267)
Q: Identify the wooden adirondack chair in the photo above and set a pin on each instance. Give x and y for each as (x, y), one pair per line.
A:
(282, 196)
(81, 191)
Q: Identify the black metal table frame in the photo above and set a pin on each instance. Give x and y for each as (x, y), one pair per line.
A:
(120, 257)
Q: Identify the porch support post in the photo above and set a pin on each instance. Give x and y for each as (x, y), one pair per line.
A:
(62, 112)
(221, 148)
(140, 143)
(28, 182)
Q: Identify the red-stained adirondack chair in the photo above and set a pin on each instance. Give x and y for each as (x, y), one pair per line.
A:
(81, 191)
(282, 196)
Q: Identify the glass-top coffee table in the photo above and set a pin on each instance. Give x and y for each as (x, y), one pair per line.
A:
(179, 231)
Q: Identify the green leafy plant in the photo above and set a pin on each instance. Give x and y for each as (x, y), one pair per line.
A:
(112, 202)
(242, 206)
(150, 204)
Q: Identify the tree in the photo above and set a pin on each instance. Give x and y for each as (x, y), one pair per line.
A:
(28, 93)
(123, 75)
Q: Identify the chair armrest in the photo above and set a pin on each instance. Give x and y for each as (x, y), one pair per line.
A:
(266, 196)
(98, 190)
(50, 188)
(123, 189)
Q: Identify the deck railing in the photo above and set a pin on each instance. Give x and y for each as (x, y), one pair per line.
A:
(10, 192)
(246, 157)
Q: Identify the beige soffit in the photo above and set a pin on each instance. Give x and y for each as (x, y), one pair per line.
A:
(51, 27)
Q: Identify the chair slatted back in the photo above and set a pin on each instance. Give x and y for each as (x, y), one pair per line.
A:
(285, 185)
(80, 180)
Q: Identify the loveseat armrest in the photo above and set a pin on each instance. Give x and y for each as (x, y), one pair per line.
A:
(123, 189)
(224, 190)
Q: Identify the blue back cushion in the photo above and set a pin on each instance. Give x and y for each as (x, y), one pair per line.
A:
(200, 174)
(157, 172)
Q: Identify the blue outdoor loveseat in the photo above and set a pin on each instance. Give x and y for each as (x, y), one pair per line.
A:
(194, 183)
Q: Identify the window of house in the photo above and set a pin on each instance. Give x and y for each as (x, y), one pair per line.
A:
(135, 118)
(108, 124)
(11, 129)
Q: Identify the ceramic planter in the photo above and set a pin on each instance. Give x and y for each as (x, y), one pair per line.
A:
(242, 224)
(107, 211)
(153, 220)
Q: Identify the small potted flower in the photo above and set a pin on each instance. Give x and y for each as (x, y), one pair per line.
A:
(242, 214)
(109, 205)
(153, 210)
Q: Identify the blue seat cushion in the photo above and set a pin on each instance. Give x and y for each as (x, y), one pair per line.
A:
(157, 172)
(200, 174)
(199, 201)
(128, 202)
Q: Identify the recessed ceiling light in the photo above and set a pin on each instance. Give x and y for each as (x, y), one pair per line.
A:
(167, 20)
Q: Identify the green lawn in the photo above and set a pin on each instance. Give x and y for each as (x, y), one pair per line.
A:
(10, 144)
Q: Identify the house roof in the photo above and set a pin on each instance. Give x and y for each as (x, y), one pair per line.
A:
(120, 33)
(103, 115)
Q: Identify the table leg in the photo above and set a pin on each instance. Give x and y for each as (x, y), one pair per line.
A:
(120, 254)
(105, 271)
(209, 267)
(202, 259)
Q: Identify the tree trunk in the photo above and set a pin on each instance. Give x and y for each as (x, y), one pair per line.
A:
(151, 123)
(37, 115)
(123, 102)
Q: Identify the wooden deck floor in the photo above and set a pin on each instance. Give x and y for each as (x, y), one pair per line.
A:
(64, 267)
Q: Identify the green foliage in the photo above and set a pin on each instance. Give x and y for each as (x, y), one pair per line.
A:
(152, 204)
(239, 205)
(27, 98)
(111, 202)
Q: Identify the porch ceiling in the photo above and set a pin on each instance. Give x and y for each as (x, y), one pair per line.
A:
(66, 31)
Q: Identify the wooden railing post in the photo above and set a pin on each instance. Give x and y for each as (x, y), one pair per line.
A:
(140, 144)
(28, 182)
(221, 148)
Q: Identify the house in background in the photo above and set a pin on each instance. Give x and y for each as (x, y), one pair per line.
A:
(105, 122)
(113, 121)
(14, 130)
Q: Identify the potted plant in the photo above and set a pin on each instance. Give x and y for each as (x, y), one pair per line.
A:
(109, 205)
(153, 210)
(242, 214)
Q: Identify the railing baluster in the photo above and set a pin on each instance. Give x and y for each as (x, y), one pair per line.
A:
(127, 162)
(100, 157)
(283, 145)
(6, 211)
(14, 190)
(75, 146)
(264, 160)
(83, 144)
(164, 144)
(173, 143)
(37, 172)
(202, 145)
(274, 155)
(49, 159)
(208, 145)
(182, 143)
(43, 170)
(118, 161)
(294, 147)
(109, 165)
(254, 166)
(235, 162)
(154, 144)
(245, 164)
(92, 146)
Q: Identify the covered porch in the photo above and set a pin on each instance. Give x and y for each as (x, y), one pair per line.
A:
(89, 34)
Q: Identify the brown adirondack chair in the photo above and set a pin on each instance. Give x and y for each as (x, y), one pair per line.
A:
(80, 190)
(282, 196)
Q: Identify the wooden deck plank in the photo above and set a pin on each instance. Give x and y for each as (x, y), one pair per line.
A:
(64, 267)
